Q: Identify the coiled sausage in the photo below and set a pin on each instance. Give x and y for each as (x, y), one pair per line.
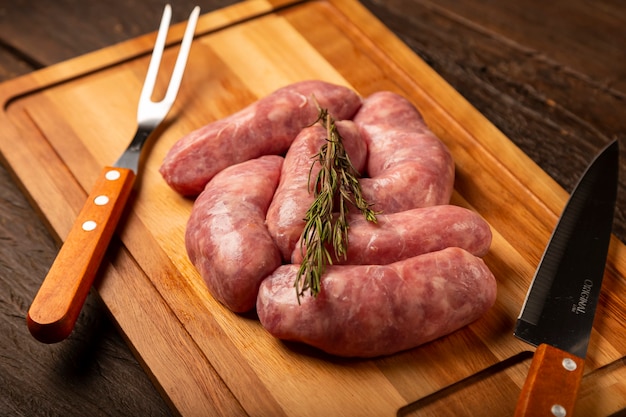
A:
(226, 236)
(285, 216)
(266, 127)
(409, 233)
(376, 310)
(408, 166)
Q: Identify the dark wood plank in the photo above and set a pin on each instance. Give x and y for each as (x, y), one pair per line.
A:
(12, 65)
(50, 32)
(587, 37)
(555, 113)
(93, 372)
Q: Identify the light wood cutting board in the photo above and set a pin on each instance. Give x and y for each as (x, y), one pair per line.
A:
(60, 125)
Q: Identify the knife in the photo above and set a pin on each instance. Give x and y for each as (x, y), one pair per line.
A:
(557, 315)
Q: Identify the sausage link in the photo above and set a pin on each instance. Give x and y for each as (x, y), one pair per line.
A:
(376, 310)
(285, 216)
(266, 127)
(226, 236)
(409, 233)
(408, 166)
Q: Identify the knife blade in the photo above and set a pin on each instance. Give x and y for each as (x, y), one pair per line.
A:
(557, 315)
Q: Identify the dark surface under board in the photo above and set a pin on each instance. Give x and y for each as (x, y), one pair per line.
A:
(550, 75)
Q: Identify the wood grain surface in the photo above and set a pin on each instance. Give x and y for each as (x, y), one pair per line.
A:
(537, 90)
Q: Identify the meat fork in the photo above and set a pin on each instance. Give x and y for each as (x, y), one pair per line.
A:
(58, 302)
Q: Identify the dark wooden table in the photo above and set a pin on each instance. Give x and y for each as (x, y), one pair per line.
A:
(550, 74)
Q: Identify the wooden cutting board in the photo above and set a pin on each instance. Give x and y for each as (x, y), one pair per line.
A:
(60, 125)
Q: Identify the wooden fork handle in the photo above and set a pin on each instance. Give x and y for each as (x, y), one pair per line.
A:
(58, 302)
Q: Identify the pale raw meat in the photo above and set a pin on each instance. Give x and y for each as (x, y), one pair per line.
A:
(414, 276)
(285, 217)
(410, 233)
(266, 127)
(408, 166)
(376, 310)
(226, 236)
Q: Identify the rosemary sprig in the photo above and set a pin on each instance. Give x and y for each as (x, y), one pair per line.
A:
(336, 181)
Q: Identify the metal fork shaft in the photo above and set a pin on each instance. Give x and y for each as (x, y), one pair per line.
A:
(130, 157)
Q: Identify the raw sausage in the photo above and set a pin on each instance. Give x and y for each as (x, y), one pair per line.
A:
(408, 166)
(285, 216)
(375, 310)
(266, 127)
(410, 233)
(414, 276)
(226, 236)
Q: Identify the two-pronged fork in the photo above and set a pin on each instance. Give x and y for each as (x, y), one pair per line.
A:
(56, 306)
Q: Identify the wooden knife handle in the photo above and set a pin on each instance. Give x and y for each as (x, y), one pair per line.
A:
(60, 298)
(552, 384)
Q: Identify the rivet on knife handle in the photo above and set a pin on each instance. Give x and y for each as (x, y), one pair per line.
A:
(56, 306)
(552, 384)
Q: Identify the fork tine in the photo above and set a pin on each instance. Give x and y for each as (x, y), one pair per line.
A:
(155, 59)
(149, 110)
(179, 68)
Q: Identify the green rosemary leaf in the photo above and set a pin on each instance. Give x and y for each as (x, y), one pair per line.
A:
(337, 180)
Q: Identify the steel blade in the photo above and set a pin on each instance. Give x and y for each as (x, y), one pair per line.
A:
(561, 302)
